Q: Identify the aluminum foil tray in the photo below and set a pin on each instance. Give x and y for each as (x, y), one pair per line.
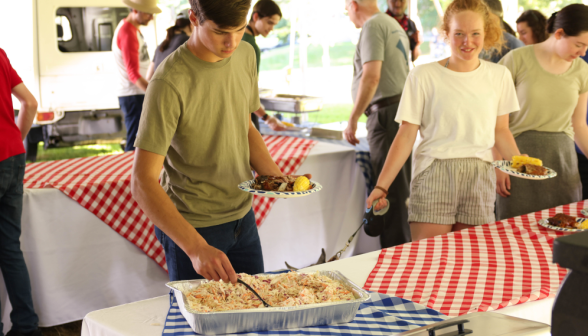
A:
(234, 321)
(292, 103)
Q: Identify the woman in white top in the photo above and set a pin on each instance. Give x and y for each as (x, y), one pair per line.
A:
(460, 105)
(552, 87)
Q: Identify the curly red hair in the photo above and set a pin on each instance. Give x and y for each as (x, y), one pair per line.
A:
(492, 30)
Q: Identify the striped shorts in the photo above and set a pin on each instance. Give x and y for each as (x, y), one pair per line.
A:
(454, 191)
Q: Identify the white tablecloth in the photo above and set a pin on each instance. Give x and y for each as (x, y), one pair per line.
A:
(78, 264)
(147, 318)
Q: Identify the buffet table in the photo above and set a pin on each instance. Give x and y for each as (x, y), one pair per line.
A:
(504, 267)
(78, 264)
(147, 317)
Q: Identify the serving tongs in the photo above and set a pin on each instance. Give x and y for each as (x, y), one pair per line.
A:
(254, 292)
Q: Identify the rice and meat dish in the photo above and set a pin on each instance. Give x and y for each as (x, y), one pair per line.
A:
(280, 183)
(282, 290)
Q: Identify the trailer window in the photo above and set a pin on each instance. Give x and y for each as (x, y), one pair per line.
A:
(63, 28)
(87, 29)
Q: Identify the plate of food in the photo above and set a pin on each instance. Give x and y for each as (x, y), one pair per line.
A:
(287, 186)
(563, 222)
(525, 167)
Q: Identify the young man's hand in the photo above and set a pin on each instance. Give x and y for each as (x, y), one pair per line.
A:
(213, 264)
(275, 124)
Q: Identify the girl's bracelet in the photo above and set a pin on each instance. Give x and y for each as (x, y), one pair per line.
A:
(382, 189)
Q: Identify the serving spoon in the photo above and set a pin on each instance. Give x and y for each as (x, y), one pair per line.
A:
(254, 292)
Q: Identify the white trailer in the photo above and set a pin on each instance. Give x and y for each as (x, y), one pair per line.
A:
(62, 51)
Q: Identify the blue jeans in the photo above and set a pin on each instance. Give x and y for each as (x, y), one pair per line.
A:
(12, 264)
(239, 240)
(131, 107)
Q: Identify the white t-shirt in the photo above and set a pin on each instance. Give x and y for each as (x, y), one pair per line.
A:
(456, 111)
(131, 57)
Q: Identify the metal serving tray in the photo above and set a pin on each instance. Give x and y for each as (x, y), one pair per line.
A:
(292, 103)
(482, 324)
(259, 319)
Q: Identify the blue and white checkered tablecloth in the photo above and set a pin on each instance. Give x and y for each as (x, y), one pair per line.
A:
(381, 315)
(362, 151)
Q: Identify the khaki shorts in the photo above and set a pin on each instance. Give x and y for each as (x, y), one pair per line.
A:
(454, 191)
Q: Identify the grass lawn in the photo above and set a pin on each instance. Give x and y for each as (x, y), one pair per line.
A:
(333, 113)
(76, 151)
(277, 59)
(330, 113)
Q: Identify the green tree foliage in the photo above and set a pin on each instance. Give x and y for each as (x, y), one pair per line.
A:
(544, 6)
(430, 19)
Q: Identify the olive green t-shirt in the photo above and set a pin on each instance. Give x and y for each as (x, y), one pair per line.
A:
(196, 114)
(251, 40)
(547, 101)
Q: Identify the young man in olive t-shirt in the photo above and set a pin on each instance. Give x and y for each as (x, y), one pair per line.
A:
(196, 124)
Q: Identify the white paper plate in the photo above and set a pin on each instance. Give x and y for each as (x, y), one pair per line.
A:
(545, 223)
(247, 187)
(506, 166)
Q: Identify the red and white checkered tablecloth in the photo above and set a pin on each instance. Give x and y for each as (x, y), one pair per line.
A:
(475, 270)
(102, 184)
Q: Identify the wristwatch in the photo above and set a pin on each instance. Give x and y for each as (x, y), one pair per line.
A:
(265, 117)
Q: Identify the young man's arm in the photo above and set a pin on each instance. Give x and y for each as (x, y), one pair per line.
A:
(271, 121)
(261, 161)
(370, 79)
(28, 108)
(208, 261)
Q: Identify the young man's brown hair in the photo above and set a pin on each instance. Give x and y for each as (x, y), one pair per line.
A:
(266, 8)
(225, 13)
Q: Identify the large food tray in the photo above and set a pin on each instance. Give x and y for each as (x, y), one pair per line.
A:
(292, 103)
(259, 319)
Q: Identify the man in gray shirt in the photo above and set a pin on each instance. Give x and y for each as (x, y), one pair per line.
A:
(380, 68)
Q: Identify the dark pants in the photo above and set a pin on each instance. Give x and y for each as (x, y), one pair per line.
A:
(583, 169)
(381, 132)
(12, 263)
(131, 107)
(239, 240)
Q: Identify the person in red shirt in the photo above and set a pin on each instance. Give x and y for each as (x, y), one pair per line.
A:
(12, 167)
(132, 59)
(397, 9)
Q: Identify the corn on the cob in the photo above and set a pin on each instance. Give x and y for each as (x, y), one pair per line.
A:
(518, 161)
(583, 225)
(301, 184)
